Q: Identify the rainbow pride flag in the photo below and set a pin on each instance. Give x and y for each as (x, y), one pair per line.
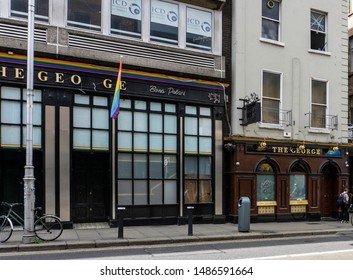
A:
(114, 112)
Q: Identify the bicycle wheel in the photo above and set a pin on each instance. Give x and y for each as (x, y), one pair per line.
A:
(48, 228)
(6, 229)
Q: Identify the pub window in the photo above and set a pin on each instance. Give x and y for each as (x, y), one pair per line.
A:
(265, 182)
(19, 8)
(84, 14)
(318, 103)
(199, 29)
(198, 160)
(14, 118)
(270, 19)
(126, 18)
(298, 182)
(318, 31)
(164, 22)
(90, 123)
(147, 153)
(271, 97)
(297, 187)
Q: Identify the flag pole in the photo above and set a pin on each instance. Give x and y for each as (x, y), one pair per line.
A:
(29, 188)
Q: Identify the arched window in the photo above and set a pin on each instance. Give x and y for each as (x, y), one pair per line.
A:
(265, 182)
(298, 182)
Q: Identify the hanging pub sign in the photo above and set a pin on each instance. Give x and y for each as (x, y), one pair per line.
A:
(251, 110)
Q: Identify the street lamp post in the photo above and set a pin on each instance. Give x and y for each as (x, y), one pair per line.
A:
(29, 194)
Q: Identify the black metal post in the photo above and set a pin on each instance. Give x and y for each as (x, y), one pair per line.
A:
(121, 222)
(190, 214)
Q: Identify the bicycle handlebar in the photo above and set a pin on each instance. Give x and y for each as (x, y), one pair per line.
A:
(10, 204)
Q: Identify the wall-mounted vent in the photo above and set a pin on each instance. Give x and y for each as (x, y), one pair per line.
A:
(20, 32)
(131, 49)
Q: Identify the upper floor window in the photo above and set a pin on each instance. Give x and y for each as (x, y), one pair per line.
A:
(126, 18)
(164, 22)
(318, 103)
(270, 19)
(84, 13)
(199, 29)
(318, 31)
(350, 8)
(19, 8)
(271, 97)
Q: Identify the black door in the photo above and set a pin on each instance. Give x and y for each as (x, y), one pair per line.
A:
(12, 162)
(90, 187)
(329, 191)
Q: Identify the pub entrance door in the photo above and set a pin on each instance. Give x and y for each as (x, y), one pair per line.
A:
(329, 185)
(90, 183)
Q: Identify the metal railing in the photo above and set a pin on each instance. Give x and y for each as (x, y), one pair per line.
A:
(276, 116)
(322, 121)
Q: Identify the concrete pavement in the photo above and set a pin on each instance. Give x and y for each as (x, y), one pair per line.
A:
(101, 235)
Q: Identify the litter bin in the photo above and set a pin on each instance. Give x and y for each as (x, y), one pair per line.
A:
(244, 214)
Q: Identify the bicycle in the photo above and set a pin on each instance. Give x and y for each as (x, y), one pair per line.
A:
(46, 227)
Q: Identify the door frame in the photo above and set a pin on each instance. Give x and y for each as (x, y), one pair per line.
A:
(328, 189)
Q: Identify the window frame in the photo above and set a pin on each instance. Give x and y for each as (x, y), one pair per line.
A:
(82, 25)
(91, 106)
(197, 180)
(280, 99)
(323, 49)
(22, 123)
(105, 27)
(132, 177)
(323, 128)
(24, 15)
(278, 22)
(125, 33)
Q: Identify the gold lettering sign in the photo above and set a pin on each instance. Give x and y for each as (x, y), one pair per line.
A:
(3, 71)
(75, 79)
(19, 73)
(57, 77)
(296, 150)
(42, 76)
(107, 83)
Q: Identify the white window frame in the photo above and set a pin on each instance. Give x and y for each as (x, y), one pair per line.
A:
(313, 128)
(324, 49)
(278, 125)
(216, 45)
(279, 21)
(6, 12)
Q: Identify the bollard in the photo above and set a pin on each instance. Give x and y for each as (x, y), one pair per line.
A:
(121, 222)
(190, 210)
